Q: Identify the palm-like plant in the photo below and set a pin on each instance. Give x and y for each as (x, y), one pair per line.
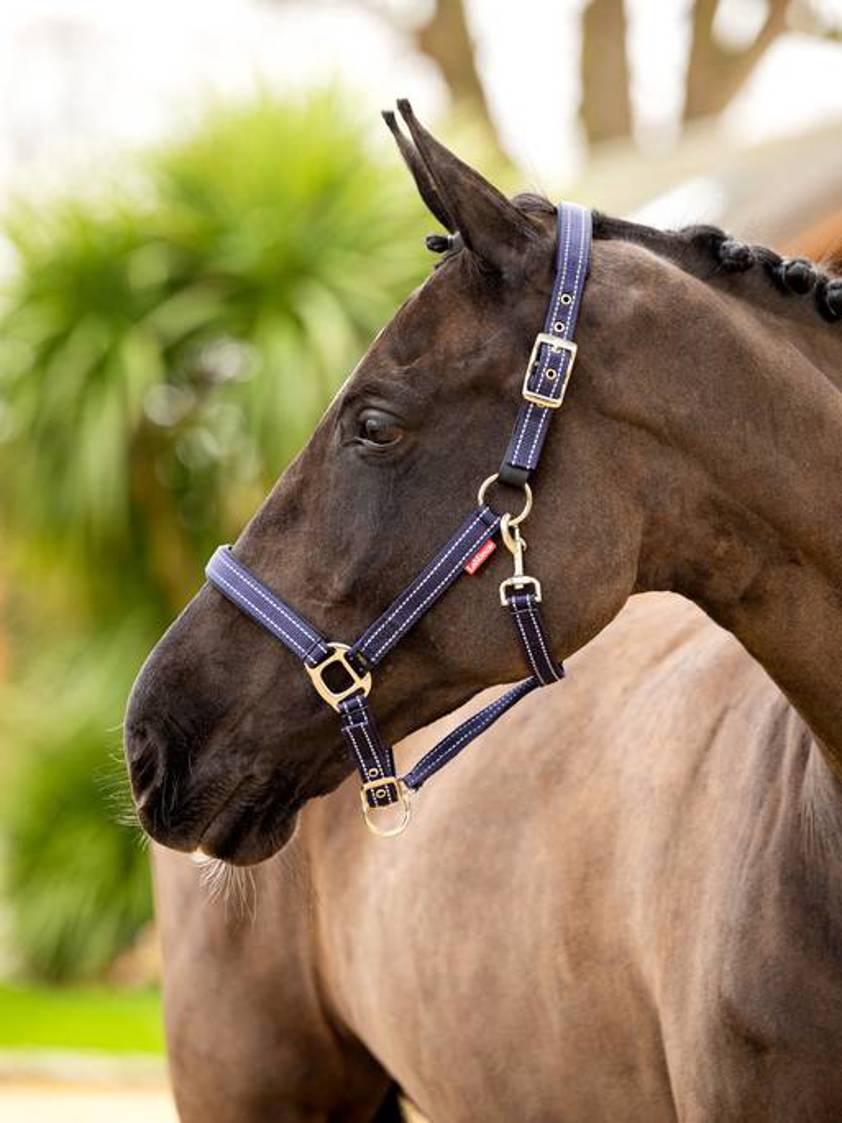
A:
(165, 346)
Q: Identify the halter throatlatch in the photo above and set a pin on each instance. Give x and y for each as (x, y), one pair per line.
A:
(342, 674)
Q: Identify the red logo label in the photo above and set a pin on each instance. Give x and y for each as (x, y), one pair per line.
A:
(482, 555)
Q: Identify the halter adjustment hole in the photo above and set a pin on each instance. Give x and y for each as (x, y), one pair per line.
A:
(566, 298)
(559, 326)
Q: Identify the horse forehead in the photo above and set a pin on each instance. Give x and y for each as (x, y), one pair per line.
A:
(421, 339)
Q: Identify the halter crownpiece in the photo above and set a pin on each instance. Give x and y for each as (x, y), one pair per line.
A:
(342, 674)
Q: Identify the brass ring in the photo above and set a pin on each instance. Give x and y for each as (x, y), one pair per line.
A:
(403, 802)
(514, 520)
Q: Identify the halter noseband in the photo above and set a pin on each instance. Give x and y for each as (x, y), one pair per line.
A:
(341, 674)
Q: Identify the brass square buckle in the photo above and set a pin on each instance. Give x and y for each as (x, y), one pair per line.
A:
(517, 584)
(556, 345)
(403, 801)
(354, 681)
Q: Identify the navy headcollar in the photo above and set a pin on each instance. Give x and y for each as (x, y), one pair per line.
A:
(341, 674)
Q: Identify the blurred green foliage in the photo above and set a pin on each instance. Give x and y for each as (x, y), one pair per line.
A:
(81, 1018)
(166, 344)
(76, 868)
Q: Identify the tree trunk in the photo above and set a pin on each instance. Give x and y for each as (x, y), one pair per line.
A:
(445, 37)
(715, 74)
(447, 40)
(606, 100)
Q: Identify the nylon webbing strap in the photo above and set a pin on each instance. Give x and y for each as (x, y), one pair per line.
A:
(240, 585)
(454, 742)
(237, 582)
(373, 757)
(554, 353)
(529, 627)
(433, 580)
(544, 387)
(369, 752)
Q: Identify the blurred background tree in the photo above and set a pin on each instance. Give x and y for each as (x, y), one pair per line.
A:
(717, 67)
(166, 343)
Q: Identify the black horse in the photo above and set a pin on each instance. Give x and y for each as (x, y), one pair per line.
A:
(623, 904)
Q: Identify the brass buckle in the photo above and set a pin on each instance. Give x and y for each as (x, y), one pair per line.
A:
(517, 583)
(327, 693)
(403, 800)
(548, 401)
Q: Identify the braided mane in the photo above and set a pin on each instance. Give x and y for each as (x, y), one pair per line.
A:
(794, 276)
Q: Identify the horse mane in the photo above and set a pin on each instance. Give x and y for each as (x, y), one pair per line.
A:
(692, 246)
(796, 276)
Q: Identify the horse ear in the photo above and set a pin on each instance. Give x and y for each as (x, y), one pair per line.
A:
(423, 180)
(490, 225)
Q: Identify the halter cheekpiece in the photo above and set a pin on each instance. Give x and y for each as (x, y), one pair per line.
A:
(341, 674)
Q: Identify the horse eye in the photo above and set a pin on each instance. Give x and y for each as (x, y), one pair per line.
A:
(376, 429)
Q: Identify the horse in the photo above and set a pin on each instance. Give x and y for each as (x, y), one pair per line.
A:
(622, 902)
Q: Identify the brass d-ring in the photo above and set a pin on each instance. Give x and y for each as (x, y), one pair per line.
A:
(403, 802)
(514, 520)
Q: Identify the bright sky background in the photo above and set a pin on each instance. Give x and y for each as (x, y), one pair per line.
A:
(79, 79)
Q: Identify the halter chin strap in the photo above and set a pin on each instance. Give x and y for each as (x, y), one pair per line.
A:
(340, 674)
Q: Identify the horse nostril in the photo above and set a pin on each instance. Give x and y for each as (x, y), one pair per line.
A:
(145, 759)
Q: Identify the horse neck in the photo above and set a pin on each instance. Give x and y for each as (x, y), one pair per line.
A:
(762, 551)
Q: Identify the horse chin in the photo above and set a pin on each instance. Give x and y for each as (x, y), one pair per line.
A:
(245, 836)
(245, 842)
